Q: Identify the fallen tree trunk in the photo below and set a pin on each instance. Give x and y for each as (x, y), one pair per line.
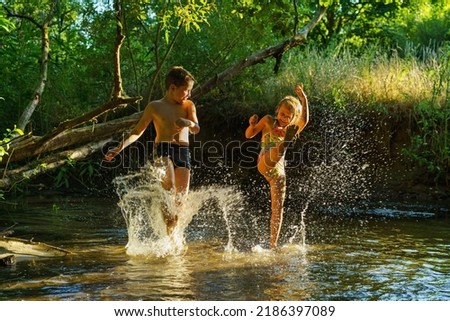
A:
(49, 163)
(32, 146)
(41, 145)
(21, 246)
(93, 137)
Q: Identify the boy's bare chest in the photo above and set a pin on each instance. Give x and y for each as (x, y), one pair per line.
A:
(170, 112)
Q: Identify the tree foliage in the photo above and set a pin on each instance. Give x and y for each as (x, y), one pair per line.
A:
(205, 36)
(208, 37)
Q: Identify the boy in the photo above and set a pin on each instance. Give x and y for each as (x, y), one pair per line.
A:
(173, 116)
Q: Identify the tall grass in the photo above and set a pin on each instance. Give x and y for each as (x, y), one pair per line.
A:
(370, 80)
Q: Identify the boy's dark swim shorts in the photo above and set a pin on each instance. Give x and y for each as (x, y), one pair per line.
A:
(179, 155)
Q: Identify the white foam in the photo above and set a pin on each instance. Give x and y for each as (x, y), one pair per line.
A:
(142, 200)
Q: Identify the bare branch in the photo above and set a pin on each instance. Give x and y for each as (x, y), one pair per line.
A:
(259, 57)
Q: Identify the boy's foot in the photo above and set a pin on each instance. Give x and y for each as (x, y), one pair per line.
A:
(291, 130)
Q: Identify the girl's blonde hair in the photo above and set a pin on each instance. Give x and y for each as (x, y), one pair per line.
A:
(294, 106)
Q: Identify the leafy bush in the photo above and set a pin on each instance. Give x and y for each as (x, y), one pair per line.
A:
(7, 137)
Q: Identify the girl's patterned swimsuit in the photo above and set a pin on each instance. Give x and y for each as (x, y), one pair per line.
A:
(269, 140)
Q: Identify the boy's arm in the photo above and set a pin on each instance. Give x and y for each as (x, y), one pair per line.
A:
(137, 131)
(304, 116)
(191, 121)
(255, 126)
(192, 115)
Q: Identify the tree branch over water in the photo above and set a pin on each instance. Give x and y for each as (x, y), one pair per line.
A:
(259, 57)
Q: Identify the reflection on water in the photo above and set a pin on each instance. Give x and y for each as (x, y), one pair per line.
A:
(348, 255)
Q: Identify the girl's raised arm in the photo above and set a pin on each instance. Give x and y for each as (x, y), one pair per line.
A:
(304, 115)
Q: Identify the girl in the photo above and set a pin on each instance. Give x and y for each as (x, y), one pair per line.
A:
(277, 133)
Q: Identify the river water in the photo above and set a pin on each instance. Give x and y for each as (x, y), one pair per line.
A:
(380, 251)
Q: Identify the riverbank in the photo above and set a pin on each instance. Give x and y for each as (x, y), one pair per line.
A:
(359, 155)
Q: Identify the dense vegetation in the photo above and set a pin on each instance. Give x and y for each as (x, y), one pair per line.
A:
(386, 58)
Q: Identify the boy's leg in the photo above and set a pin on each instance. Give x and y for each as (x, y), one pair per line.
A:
(182, 180)
(182, 162)
(168, 183)
(180, 189)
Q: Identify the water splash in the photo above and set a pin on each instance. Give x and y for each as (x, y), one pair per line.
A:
(331, 175)
(337, 172)
(330, 172)
(300, 229)
(142, 201)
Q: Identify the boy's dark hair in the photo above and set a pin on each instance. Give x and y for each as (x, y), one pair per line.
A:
(178, 76)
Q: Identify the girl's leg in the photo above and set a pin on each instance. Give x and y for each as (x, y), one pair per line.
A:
(277, 181)
(277, 196)
(271, 166)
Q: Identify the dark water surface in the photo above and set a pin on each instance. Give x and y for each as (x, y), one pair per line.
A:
(387, 252)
